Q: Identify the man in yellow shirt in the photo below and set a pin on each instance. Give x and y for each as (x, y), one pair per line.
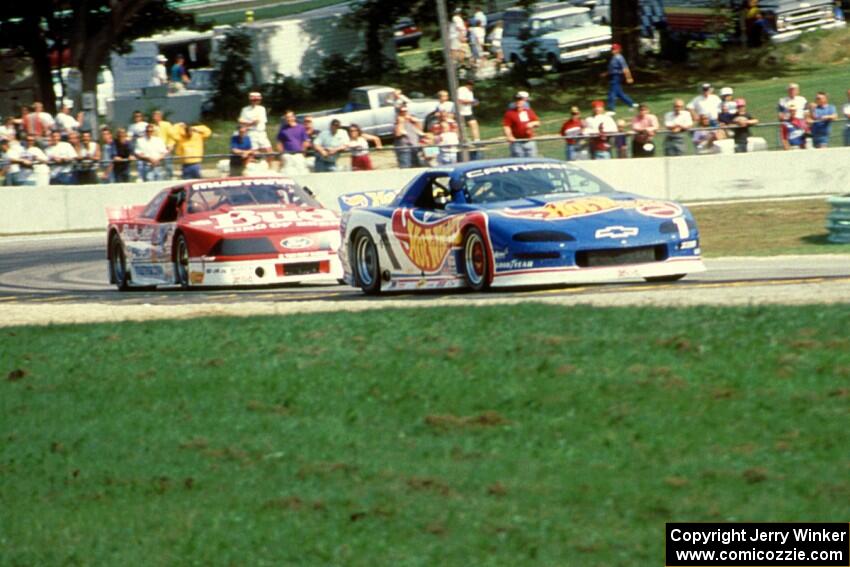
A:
(189, 147)
(162, 129)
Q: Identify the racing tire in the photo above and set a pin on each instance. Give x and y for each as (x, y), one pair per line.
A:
(181, 262)
(476, 261)
(663, 279)
(118, 264)
(365, 264)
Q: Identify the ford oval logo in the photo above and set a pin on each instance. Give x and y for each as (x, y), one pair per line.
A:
(296, 242)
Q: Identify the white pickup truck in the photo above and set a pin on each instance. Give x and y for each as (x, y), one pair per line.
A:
(373, 109)
(559, 33)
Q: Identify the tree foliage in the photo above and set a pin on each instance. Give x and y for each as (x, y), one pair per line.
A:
(234, 72)
(88, 29)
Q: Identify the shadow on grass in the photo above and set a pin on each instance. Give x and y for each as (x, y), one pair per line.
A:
(823, 240)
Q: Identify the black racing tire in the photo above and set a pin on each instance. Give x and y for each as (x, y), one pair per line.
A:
(181, 261)
(663, 279)
(118, 263)
(476, 261)
(365, 263)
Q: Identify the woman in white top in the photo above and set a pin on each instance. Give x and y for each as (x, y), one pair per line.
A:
(359, 146)
(88, 160)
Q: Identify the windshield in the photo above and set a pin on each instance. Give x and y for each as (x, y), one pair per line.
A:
(213, 196)
(565, 22)
(508, 183)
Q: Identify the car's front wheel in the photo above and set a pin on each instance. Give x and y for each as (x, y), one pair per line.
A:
(181, 261)
(365, 263)
(118, 263)
(662, 279)
(476, 261)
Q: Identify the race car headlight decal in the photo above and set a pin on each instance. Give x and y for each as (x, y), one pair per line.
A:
(669, 227)
(543, 236)
(242, 247)
(688, 244)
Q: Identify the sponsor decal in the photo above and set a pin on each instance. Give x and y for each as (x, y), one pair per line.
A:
(587, 206)
(149, 271)
(366, 199)
(243, 183)
(297, 242)
(426, 244)
(251, 220)
(617, 232)
(514, 265)
(196, 277)
(514, 168)
(658, 209)
(572, 208)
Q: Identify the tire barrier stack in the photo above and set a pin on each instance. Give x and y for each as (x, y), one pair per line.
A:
(838, 220)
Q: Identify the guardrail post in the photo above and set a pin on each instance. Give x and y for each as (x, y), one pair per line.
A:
(838, 220)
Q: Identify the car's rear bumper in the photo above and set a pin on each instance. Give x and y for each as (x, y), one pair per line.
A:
(576, 275)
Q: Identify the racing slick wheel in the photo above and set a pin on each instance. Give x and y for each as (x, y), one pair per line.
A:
(476, 263)
(365, 264)
(181, 261)
(118, 264)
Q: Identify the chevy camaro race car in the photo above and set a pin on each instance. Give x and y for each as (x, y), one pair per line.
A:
(515, 222)
(228, 232)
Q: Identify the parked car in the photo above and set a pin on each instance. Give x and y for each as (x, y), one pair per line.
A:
(225, 232)
(514, 222)
(373, 109)
(406, 33)
(559, 34)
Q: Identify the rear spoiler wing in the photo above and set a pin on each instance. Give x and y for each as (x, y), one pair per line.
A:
(362, 199)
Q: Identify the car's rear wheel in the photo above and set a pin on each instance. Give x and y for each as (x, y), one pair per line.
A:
(662, 279)
(476, 261)
(181, 261)
(365, 263)
(118, 263)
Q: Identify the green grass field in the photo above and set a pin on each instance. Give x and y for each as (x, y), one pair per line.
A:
(521, 435)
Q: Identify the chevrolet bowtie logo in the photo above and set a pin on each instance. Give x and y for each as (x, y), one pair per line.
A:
(617, 232)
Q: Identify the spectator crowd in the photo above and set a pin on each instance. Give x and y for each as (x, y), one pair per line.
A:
(39, 149)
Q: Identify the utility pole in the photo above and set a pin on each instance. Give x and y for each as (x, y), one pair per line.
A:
(451, 73)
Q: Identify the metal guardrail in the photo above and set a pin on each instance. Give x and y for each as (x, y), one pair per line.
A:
(838, 220)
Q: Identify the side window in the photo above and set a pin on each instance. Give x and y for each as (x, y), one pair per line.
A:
(153, 207)
(359, 100)
(436, 194)
(385, 99)
(197, 203)
(172, 205)
(512, 28)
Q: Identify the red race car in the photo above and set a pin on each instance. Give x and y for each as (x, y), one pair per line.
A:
(226, 232)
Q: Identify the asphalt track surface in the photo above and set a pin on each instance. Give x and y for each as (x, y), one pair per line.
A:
(72, 269)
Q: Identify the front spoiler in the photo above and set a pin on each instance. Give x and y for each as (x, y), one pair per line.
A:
(608, 274)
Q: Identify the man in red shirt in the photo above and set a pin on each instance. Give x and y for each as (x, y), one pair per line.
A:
(572, 127)
(519, 124)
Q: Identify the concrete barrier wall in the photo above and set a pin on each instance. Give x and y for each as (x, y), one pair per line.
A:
(689, 178)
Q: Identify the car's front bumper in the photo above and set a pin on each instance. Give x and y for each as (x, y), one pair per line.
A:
(264, 272)
(568, 275)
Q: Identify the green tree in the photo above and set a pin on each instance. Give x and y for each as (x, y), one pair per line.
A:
(88, 29)
(625, 27)
(234, 72)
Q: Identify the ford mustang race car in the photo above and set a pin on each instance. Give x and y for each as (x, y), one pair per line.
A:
(227, 232)
(514, 222)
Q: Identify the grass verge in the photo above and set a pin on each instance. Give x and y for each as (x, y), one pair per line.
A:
(503, 435)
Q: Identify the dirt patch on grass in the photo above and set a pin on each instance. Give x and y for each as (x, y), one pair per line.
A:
(448, 422)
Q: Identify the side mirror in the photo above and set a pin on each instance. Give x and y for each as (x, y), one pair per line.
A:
(308, 191)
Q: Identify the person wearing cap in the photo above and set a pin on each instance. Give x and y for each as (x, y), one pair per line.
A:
(160, 72)
(677, 122)
(741, 126)
(727, 101)
(255, 118)
(600, 126)
(820, 118)
(800, 103)
(792, 130)
(706, 103)
(329, 144)
(518, 125)
(644, 125)
(618, 71)
(571, 128)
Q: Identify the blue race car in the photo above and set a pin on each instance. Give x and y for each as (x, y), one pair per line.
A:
(515, 222)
